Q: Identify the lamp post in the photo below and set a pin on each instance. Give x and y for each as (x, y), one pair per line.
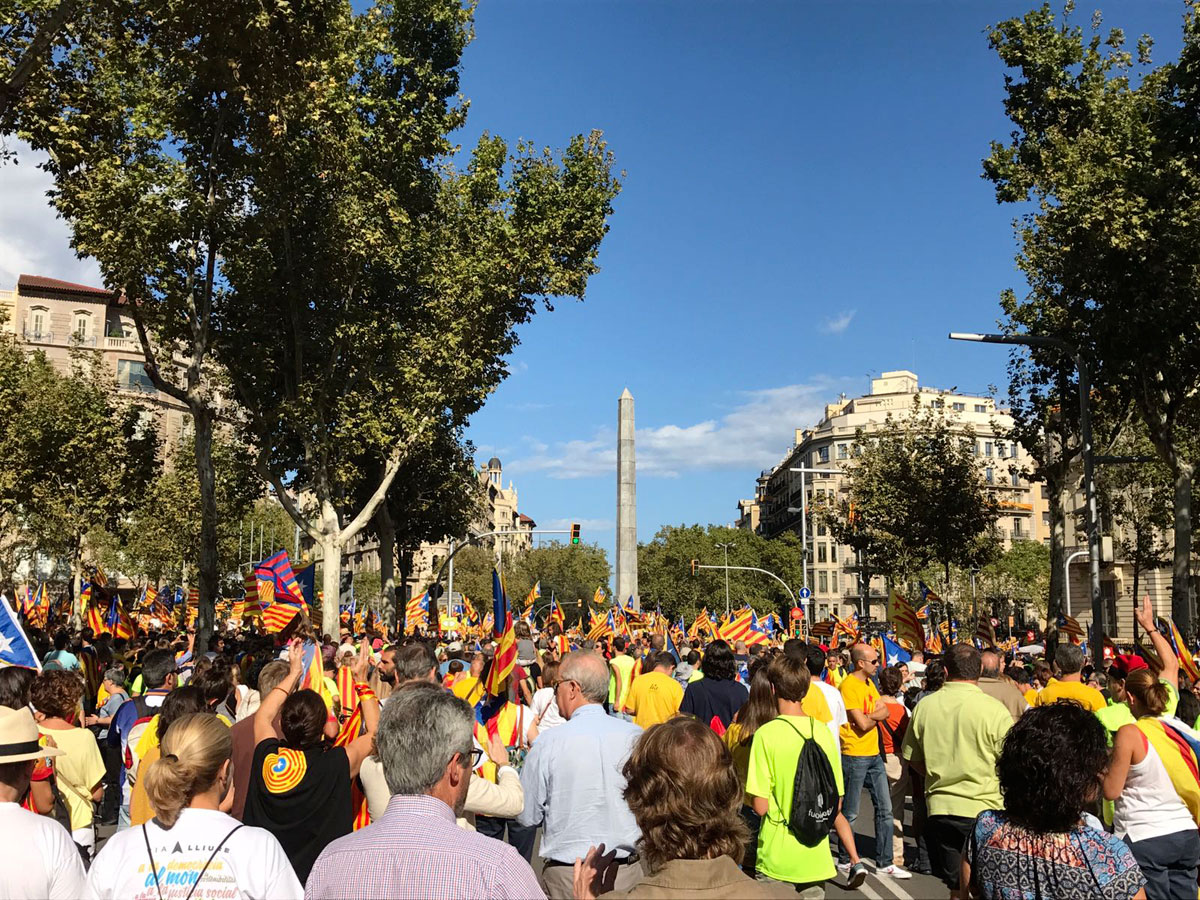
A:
(726, 547)
(1089, 475)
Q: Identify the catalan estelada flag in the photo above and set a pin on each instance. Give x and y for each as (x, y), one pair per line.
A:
(738, 625)
(417, 612)
(277, 569)
(95, 618)
(506, 640)
(1179, 645)
(556, 613)
(118, 621)
(909, 630)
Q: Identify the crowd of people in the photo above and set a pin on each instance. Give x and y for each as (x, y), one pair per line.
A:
(363, 768)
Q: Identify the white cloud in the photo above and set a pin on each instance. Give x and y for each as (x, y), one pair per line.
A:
(755, 434)
(839, 323)
(33, 240)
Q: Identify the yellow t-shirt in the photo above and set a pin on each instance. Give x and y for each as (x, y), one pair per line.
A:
(815, 705)
(1071, 690)
(861, 695)
(78, 770)
(652, 698)
(1031, 696)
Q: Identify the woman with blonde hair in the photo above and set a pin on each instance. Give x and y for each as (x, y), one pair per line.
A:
(180, 846)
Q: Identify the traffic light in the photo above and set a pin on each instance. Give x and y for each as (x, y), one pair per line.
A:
(574, 533)
(435, 592)
(694, 562)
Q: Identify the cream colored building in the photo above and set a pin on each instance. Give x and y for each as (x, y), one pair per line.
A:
(62, 319)
(827, 446)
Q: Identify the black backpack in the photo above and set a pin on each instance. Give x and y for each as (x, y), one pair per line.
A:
(814, 793)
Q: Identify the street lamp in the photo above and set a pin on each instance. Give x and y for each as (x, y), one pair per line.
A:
(1089, 477)
(726, 547)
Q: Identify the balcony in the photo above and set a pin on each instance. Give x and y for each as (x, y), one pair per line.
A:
(124, 344)
(37, 335)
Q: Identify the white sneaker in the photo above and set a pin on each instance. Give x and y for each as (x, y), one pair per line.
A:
(844, 868)
(895, 872)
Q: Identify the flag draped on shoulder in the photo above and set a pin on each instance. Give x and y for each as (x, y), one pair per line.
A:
(909, 630)
(1179, 645)
(505, 657)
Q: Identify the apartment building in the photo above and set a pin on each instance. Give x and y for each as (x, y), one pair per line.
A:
(60, 318)
(826, 449)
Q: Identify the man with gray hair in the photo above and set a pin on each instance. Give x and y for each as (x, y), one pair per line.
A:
(1068, 660)
(574, 783)
(415, 849)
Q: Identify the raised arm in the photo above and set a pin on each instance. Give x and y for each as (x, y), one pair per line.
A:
(362, 746)
(269, 706)
(1162, 647)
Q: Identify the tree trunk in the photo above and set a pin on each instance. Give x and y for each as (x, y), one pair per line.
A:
(386, 530)
(1058, 544)
(208, 580)
(331, 582)
(405, 564)
(1181, 594)
(1137, 571)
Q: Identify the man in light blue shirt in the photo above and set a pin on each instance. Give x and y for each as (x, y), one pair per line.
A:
(573, 779)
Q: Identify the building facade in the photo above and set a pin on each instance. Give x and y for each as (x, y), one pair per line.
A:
(826, 450)
(62, 319)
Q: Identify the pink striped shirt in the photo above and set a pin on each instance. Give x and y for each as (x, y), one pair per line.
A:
(416, 850)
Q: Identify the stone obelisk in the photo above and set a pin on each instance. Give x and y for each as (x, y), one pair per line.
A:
(627, 545)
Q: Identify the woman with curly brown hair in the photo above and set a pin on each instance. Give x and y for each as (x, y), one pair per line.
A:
(56, 697)
(685, 796)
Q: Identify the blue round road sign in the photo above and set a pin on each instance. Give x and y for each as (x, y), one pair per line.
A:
(805, 593)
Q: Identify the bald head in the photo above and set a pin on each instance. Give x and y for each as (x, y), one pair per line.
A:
(989, 664)
(589, 671)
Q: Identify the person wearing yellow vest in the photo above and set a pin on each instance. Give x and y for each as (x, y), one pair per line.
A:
(622, 665)
(1156, 796)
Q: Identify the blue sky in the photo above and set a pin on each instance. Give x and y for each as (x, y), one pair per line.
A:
(803, 206)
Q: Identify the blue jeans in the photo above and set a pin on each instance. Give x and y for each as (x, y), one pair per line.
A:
(869, 772)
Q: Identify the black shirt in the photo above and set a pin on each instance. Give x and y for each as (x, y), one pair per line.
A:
(708, 699)
(302, 797)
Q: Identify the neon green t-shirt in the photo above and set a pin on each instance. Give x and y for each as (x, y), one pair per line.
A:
(770, 774)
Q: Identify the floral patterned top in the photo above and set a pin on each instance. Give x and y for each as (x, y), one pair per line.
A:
(1013, 863)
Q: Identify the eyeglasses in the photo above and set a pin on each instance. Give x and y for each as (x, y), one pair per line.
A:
(558, 684)
(475, 758)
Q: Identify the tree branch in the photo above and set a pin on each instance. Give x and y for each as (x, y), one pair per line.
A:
(33, 56)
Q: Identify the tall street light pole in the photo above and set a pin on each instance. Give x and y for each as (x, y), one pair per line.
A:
(1089, 475)
(726, 547)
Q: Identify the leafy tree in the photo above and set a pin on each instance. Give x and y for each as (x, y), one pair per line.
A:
(1020, 576)
(391, 282)
(436, 494)
(664, 570)
(1104, 157)
(76, 455)
(916, 496)
(569, 572)
(151, 121)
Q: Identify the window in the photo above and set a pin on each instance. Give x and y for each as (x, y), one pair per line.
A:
(1016, 478)
(833, 582)
(1016, 528)
(822, 583)
(822, 531)
(977, 448)
(1002, 450)
(843, 451)
(822, 553)
(833, 552)
(823, 454)
(937, 404)
(958, 407)
(989, 475)
(980, 407)
(39, 318)
(131, 375)
(987, 448)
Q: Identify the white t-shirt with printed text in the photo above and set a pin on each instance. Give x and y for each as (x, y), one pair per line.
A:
(251, 864)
